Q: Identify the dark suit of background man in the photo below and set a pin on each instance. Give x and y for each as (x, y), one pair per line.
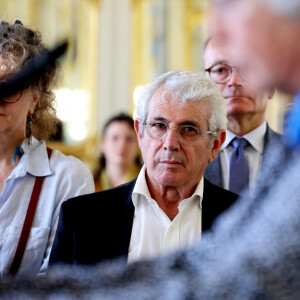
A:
(246, 108)
(180, 128)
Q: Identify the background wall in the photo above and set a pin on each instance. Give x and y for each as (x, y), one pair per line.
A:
(116, 46)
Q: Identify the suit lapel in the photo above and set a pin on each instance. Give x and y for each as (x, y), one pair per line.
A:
(213, 172)
(215, 201)
(270, 137)
(208, 205)
(127, 214)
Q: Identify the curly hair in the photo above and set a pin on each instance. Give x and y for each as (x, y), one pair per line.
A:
(19, 45)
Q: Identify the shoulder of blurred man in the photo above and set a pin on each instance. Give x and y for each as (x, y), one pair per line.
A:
(271, 135)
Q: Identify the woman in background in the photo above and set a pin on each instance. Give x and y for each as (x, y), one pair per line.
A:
(120, 161)
(27, 118)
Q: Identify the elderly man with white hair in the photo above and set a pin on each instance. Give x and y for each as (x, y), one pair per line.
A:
(180, 127)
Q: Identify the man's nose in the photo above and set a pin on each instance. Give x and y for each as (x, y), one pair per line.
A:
(171, 140)
(235, 78)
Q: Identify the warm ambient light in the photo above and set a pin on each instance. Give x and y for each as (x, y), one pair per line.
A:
(136, 95)
(72, 110)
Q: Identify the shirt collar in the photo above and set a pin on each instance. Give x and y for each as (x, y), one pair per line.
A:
(254, 137)
(34, 160)
(229, 137)
(141, 188)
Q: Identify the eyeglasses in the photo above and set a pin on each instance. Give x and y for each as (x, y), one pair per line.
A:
(221, 73)
(186, 134)
(13, 98)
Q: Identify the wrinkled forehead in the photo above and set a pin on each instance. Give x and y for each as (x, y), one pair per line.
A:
(163, 106)
(218, 51)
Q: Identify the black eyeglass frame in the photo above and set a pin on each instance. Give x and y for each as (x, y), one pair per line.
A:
(8, 102)
(200, 132)
(208, 70)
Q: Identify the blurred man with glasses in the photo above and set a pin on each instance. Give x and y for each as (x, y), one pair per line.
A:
(242, 155)
(180, 128)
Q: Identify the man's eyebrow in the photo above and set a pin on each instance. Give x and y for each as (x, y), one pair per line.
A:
(222, 61)
(189, 123)
(164, 120)
(186, 122)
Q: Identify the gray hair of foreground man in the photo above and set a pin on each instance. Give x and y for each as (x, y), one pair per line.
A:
(286, 8)
(186, 86)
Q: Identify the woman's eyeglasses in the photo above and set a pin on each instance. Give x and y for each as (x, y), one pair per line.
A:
(13, 98)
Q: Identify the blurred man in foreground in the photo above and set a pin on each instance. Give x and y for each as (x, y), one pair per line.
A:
(255, 252)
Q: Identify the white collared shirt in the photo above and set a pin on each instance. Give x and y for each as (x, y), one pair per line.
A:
(65, 177)
(253, 154)
(153, 233)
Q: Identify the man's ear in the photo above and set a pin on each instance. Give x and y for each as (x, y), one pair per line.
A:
(137, 123)
(271, 92)
(217, 143)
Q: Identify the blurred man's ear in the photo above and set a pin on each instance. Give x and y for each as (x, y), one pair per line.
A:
(271, 93)
(218, 141)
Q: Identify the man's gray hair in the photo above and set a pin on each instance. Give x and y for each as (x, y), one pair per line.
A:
(186, 86)
(290, 8)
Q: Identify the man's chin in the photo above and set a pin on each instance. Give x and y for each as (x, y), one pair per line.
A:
(168, 180)
(238, 111)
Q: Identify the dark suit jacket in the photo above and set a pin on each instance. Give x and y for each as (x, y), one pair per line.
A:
(98, 226)
(213, 171)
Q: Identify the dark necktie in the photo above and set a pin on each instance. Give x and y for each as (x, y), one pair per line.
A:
(239, 169)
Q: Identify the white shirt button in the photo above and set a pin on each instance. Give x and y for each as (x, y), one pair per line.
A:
(171, 228)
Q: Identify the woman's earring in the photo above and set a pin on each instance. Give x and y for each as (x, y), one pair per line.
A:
(29, 132)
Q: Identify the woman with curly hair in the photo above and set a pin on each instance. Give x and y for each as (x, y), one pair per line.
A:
(34, 180)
